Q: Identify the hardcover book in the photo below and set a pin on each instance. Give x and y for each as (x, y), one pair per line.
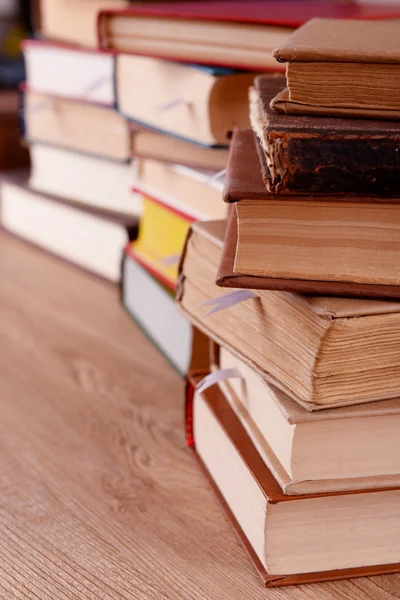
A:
(358, 63)
(88, 237)
(238, 34)
(308, 155)
(75, 125)
(69, 71)
(153, 308)
(343, 245)
(161, 239)
(321, 351)
(198, 103)
(147, 143)
(291, 539)
(332, 450)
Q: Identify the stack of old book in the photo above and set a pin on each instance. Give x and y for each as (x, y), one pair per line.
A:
(182, 75)
(296, 419)
(77, 202)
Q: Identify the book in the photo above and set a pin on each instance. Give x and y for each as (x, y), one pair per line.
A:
(68, 71)
(75, 125)
(331, 450)
(84, 178)
(161, 239)
(152, 144)
(238, 34)
(313, 244)
(321, 351)
(12, 154)
(197, 103)
(194, 192)
(56, 19)
(290, 539)
(90, 238)
(153, 308)
(358, 63)
(308, 155)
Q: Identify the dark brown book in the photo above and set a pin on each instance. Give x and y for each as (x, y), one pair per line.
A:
(13, 155)
(324, 155)
(310, 538)
(347, 246)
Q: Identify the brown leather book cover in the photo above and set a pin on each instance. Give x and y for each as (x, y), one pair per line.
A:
(336, 40)
(271, 490)
(334, 155)
(244, 181)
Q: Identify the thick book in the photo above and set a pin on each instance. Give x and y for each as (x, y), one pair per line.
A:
(240, 34)
(290, 539)
(147, 143)
(308, 155)
(76, 125)
(88, 237)
(57, 19)
(345, 246)
(69, 71)
(322, 351)
(332, 450)
(153, 308)
(201, 104)
(82, 177)
(350, 65)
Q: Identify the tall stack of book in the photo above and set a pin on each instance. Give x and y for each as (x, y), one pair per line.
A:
(296, 420)
(77, 202)
(182, 76)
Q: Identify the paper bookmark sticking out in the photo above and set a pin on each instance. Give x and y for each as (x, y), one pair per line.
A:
(171, 260)
(172, 104)
(216, 377)
(215, 177)
(223, 302)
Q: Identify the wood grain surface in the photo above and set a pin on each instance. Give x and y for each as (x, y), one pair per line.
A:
(99, 498)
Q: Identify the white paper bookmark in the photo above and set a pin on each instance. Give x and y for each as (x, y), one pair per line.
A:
(216, 377)
(228, 300)
(172, 104)
(215, 177)
(171, 260)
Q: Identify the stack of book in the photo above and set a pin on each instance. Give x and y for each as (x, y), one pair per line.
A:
(181, 77)
(77, 202)
(296, 419)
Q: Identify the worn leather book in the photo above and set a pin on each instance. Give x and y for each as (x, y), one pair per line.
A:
(331, 450)
(236, 33)
(308, 155)
(86, 236)
(346, 246)
(350, 65)
(290, 539)
(321, 351)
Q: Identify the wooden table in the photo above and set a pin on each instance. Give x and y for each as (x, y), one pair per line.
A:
(99, 498)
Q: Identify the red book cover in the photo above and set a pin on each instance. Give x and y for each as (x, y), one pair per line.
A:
(285, 13)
